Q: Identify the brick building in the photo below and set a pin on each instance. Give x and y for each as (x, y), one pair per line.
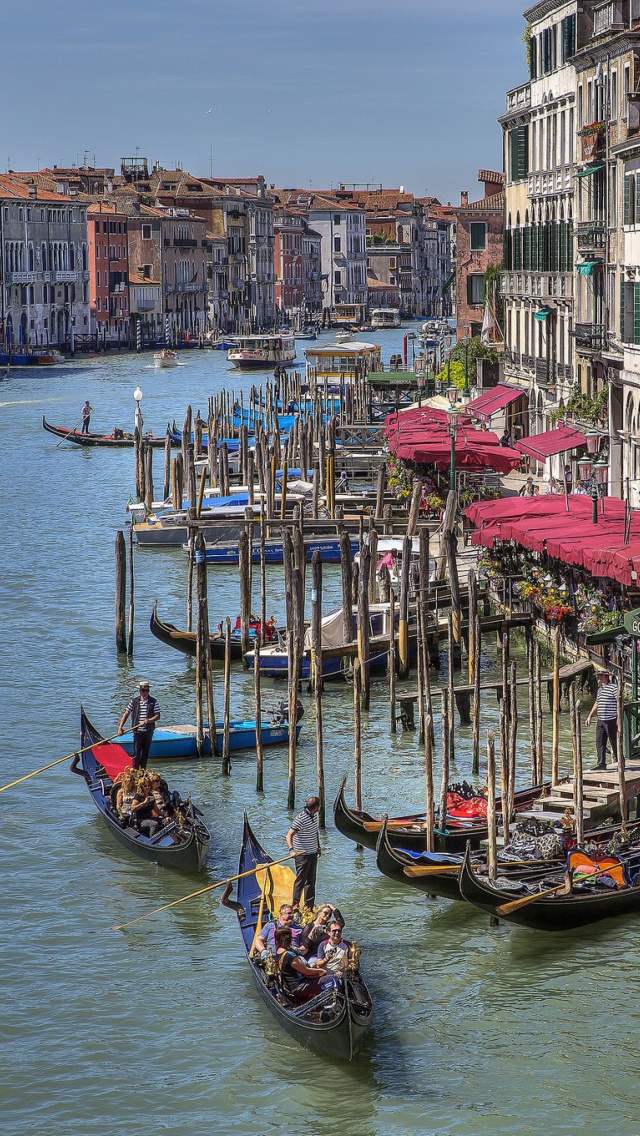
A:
(479, 226)
(108, 271)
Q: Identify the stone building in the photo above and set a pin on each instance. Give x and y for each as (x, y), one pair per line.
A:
(479, 226)
(108, 271)
(45, 268)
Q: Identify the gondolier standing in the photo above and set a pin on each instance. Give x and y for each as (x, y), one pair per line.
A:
(86, 417)
(606, 707)
(304, 842)
(144, 711)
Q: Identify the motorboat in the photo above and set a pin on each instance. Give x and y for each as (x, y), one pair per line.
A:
(166, 358)
(255, 351)
(385, 317)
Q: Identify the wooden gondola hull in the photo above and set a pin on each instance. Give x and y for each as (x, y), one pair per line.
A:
(100, 440)
(188, 855)
(338, 1026)
(550, 913)
(392, 863)
(458, 833)
(185, 641)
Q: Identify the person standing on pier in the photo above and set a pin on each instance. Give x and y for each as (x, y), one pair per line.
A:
(304, 841)
(606, 707)
(145, 712)
(86, 417)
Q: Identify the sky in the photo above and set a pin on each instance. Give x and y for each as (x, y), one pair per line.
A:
(305, 92)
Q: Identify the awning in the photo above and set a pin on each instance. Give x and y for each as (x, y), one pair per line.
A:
(492, 400)
(449, 281)
(587, 266)
(590, 170)
(543, 446)
(542, 313)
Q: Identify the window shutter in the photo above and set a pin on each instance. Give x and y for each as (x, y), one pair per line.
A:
(518, 138)
(562, 247)
(636, 313)
(526, 247)
(553, 248)
(627, 199)
(469, 290)
(569, 247)
(622, 298)
(635, 213)
(533, 58)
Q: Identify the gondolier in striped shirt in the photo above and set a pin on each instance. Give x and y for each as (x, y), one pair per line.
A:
(144, 711)
(606, 707)
(304, 842)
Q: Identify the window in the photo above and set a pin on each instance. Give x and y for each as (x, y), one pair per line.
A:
(146, 232)
(533, 58)
(474, 288)
(478, 236)
(336, 218)
(338, 279)
(568, 34)
(613, 96)
(336, 244)
(518, 146)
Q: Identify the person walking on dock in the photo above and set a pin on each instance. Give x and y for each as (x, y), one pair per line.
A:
(304, 841)
(144, 711)
(86, 417)
(606, 707)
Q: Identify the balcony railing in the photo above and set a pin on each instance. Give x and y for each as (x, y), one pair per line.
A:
(519, 98)
(590, 336)
(591, 235)
(184, 242)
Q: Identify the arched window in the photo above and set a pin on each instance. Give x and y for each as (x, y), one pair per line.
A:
(84, 258)
(45, 259)
(31, 260)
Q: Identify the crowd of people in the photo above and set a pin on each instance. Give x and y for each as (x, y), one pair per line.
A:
(141, 798)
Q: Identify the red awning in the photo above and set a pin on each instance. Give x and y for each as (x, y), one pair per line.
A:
(492, 400)
(421, 435)
(543, 446)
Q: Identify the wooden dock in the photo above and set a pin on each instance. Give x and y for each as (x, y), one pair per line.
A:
(600, 793)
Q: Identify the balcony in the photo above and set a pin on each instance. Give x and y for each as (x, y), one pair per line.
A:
(143, 305)
(64, 277)
(550, 181)
(607, 18)
(184, 242)
(591, 235)
(538, 285)
(20, 278)
(191, 287)
(519, 98)
(590, 336)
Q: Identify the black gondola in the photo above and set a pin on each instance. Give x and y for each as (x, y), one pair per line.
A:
(335, 1021)
(392, 861)
(185, 641)
(548, 913)
(181, 844)
(409, 832)
(120, 443)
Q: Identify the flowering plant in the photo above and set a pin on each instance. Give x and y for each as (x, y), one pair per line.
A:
(399, 479)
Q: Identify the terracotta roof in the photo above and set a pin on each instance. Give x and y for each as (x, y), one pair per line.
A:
(491, 175)
(492, 204)
(133, 279)
(308, 200)
(14, 187)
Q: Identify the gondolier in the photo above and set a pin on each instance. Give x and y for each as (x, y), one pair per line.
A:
(86, 417)
(303, 840)
(606, 707)
(145, 712)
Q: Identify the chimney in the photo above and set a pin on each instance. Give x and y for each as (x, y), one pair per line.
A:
(464, 197)
(33, 190)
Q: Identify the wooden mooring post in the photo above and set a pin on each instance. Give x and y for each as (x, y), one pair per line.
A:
(131, 595)
(121, 592)
(316, 639)
(226, 725)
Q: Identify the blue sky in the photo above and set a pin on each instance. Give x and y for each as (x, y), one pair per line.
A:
(404, 92)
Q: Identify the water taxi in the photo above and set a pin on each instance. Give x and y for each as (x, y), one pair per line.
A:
(385, 317)
(265, 351)
(350, 314)
(166, 358)
(337, 363)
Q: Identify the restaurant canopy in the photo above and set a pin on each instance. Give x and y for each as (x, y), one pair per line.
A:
(493, 400)
(541, 446)
(421, 435)
(565, 530)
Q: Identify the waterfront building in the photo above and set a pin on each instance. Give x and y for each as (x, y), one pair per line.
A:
(44, 264)
(298, 289)
(108, 271)
(479, 226)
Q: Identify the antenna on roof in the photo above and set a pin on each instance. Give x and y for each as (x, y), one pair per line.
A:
(211, 160)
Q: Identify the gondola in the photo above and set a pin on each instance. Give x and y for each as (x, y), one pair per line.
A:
(408, 831)
(182, 845)
(550, 912)
(123, 443)
(334, 1022)
(392, 861)
(185, 641)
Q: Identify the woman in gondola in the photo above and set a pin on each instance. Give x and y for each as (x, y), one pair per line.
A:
(125, 795)
(299, 980)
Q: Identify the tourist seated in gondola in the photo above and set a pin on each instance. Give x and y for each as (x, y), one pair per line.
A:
(265, 941)
(117, 432)
(163, 805)
(143, 811)
(300, 980)
(333, 953)
(317, 931)
(125, 795)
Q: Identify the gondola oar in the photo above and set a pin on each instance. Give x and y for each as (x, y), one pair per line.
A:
(435, 869)
(69, 756)
(201, 891)
(66, 437)
(562, 889)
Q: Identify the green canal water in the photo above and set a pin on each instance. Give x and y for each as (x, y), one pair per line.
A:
(157, 1029)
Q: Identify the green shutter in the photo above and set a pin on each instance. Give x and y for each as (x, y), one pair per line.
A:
(526, 247)
(562, 250)
(569, 247)
(622, 332)
(553, 248)
(636, 313)
(533, 58)
(518, 140)
(568, 37)
(627, 199)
